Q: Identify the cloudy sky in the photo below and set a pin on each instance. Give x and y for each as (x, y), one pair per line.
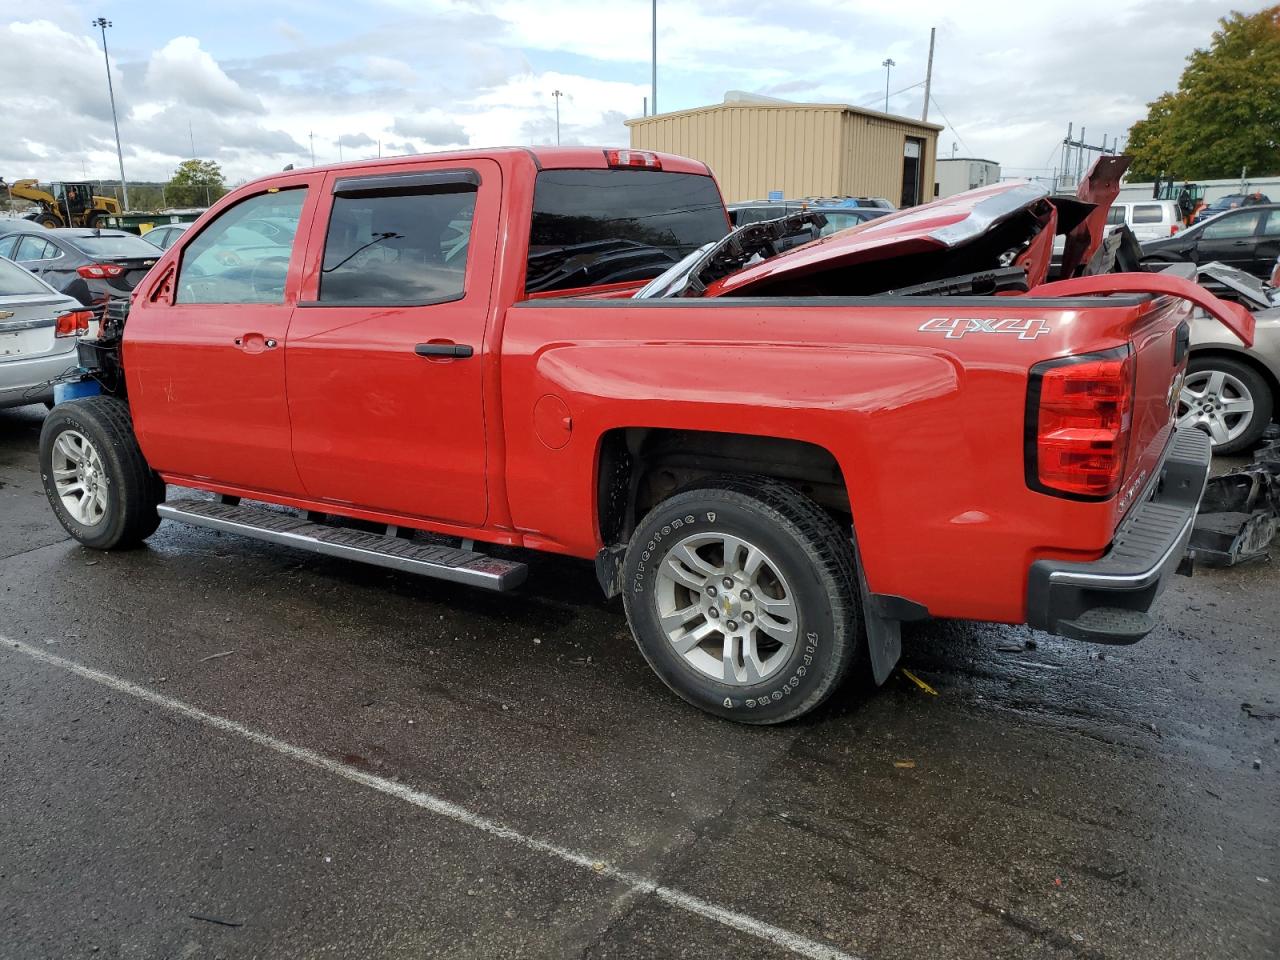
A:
(255, 85)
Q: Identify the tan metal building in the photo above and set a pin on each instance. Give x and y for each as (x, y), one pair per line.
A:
(756, 146)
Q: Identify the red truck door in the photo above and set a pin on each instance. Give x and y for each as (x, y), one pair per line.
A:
(204, 349)
(385, 353)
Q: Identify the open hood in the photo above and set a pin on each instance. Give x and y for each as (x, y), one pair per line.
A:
(993, 240)
(1003, 227)
(959, 235)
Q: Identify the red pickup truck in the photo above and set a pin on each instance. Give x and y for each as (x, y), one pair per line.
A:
(775, 458)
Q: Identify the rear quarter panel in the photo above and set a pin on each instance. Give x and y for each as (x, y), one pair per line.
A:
(926, 425)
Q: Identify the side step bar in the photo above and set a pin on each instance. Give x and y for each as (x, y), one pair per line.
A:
(428, 560)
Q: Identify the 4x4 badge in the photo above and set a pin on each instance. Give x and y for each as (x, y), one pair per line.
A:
(956, 327)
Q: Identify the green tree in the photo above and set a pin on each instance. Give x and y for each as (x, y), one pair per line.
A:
(1225, 114)
(196, 183)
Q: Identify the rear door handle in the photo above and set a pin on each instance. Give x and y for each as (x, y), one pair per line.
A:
(457, 351)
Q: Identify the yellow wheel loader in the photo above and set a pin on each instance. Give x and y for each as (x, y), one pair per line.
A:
(66, 204)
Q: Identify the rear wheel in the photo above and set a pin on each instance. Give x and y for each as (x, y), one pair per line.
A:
(95, 477)
(741, 596)
(1228, 399)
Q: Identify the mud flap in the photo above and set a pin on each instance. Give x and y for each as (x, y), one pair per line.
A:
(884, 636)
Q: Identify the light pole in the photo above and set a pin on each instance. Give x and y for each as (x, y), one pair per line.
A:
(102, 23)
(557, 94)
(653, 94)
(888, 65)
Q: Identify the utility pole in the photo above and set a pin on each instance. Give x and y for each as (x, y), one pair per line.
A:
(557, 94)
(653, 93)
(928, 75)
(312, 137)
(192, 134)
(888, 65)
(102, 23)
(645, 111)
(339, 148)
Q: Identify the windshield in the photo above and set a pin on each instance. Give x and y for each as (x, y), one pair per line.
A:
(609, 226)
(15, 281)
(119, 246)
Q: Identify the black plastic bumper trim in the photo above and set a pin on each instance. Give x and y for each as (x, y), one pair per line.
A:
(1148, 548)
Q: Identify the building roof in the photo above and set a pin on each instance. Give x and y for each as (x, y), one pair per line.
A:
(768, 103)
(994, 163)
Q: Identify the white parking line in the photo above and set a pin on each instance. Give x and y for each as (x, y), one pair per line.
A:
(801, 946)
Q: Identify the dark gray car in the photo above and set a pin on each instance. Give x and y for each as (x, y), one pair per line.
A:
(91, 265)
(1247, 238)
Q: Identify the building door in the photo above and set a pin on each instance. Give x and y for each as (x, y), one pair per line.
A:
(912, 167)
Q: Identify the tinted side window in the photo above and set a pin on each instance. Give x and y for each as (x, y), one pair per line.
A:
(400, 245)
(1147, 213)
(1115, 216)
(228, 264)
(6, 246)
(1232, 226)
(1271, 227)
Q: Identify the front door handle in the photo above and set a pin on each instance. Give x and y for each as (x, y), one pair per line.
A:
(444, 348)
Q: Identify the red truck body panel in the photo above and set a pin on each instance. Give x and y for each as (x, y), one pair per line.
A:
(921, 402)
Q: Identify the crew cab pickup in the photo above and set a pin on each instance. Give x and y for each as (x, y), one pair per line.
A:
(435, 363)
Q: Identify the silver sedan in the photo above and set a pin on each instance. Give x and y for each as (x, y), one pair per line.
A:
(1231, 390)
(39, 328)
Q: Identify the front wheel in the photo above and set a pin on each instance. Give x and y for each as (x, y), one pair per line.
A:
(97, 481)
(1228, 399)
(740, 594)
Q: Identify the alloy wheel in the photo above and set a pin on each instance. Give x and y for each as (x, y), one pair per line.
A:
(726, 608)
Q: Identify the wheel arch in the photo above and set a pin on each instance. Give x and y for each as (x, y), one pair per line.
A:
(638, 467)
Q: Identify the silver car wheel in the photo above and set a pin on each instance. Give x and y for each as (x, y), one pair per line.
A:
(726, 608)
(79, 478)
(1217, 402)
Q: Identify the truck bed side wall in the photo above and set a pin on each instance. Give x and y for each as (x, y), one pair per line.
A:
(928, 430)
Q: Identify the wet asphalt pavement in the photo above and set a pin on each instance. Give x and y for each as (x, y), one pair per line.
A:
(258, 761)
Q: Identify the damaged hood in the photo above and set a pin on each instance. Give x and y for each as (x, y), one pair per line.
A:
(980, 229)
(993, 228)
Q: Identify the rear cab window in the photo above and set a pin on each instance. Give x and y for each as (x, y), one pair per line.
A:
(1115, 216)
(598, 227)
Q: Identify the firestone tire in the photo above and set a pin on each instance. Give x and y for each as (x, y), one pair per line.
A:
(782, 637)
(87, 446)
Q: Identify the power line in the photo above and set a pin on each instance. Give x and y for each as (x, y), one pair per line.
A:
(873, 99)
(943, 114)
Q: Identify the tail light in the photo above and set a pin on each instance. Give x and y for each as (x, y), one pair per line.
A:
(633, 158)
(1079, 412)
(1174, 228)
(73, 324)
(100, 271)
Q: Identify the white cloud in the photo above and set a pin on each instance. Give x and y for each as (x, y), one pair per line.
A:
(426, 74)
(183, 73)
